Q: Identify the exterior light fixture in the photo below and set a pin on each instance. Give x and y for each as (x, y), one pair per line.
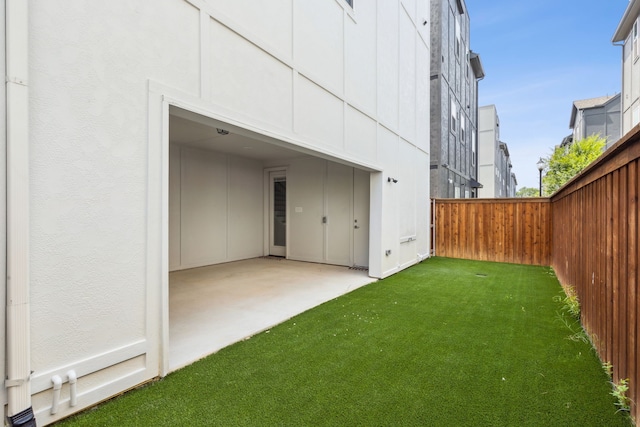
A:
(540, 165)
(222, 131)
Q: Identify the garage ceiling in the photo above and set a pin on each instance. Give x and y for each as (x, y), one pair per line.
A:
(196, 134)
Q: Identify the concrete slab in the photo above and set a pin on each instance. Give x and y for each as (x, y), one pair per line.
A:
(215, 306)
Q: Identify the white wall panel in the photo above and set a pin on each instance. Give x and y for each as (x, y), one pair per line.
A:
(305, 181)
(410, 7)
(388, 153)
(360, 135)
(270, 21)
(89, 69)
(406, 189)
(215, 208)
(424, 15)
(319, 41)
(319, 115)
(361, 60)
(422, 97)
(423, 205)
(203, 222)
(249, 81)
(388, 60)
(407, 78)
(245, 208)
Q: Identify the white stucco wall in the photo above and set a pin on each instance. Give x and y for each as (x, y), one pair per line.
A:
(352, 86)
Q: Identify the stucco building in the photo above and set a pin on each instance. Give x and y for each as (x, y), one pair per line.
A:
(144, 137)
(494, 162)
(455, 72)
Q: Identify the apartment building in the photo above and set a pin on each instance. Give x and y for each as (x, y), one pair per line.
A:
(599, 116)
(455, 73)
(494, 162)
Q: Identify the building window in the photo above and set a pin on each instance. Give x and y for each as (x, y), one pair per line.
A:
(457, 46)
(473, 149)
(454, 117)
(462, 130)
(349, 2)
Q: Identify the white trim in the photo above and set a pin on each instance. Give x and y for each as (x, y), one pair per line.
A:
(157, 274)
(266, 182)
(88, 398)
(42, 380)
(268, 213)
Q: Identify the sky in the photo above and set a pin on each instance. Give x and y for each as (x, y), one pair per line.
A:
(538, 58)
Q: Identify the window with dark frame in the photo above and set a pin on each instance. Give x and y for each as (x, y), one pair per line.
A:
(454, 117)
(458, 37)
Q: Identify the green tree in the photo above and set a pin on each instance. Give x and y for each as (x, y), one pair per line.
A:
(528, 192)
(567, 161)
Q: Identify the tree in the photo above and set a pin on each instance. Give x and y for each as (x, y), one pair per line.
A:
(567, 161)
(528, 192)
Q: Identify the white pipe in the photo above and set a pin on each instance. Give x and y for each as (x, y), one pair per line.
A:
(73, 395)
(19, 411)
(57, 386)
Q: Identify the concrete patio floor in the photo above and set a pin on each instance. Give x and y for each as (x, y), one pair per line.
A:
(215, 306)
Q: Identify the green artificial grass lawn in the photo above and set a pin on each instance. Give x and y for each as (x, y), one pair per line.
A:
(444, 343)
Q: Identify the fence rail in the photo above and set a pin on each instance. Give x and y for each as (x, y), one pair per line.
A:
(588, 231)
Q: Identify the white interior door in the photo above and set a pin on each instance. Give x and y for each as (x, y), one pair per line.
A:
(278, 213)
(360, 218)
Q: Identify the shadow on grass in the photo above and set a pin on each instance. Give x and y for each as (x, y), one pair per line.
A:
(444, 343)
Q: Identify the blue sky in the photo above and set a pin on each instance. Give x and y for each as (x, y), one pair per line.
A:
(538, 58)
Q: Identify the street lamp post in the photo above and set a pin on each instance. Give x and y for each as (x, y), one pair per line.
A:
(540, 165)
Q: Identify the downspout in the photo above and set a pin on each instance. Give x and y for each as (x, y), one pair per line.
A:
(621, 121)
(18, 351)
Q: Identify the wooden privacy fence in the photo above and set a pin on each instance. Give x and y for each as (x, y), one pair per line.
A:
(588, 232)
(595, 249)
(504, 230)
